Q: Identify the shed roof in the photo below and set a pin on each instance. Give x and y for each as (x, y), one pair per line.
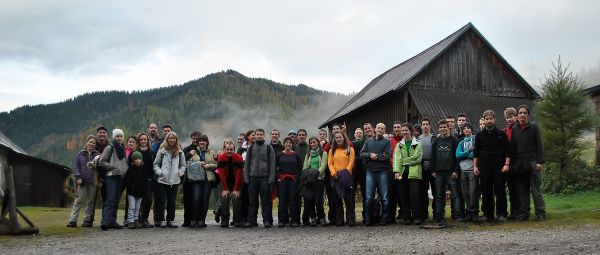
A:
(5, 142)
(400, 75)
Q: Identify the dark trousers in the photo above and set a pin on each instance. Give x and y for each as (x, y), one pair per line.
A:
(443, 181)
(512, 194)
(427, 182)
(339, 202)
(113, 196)
(245, 200)
(236, 203)
(522, 183)
(394, 198)
(471, 192)
(146, 203)
(156, 196)
(259, 186)
(314, 206)
(187, 203)
(409, 193)
(288, 202)
(200, 196)
(166, 198)
(359, 179)
(458, 210)
(330, 197)
(492, 185)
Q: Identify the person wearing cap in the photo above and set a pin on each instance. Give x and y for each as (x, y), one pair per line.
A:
(114, 161)
(86, 190)
(469, 181)
(294, 135)
(102, 137)
(136, 183)
(491, 162)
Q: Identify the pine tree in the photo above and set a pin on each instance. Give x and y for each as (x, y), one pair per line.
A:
(564, 117)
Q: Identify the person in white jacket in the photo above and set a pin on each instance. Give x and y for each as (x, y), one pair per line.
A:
(169, 166)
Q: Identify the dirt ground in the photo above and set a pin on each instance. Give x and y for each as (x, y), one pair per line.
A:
(398, 239)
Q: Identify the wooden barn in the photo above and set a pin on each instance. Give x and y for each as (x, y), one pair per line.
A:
(461, 73)
(38, 182)
(594, 93)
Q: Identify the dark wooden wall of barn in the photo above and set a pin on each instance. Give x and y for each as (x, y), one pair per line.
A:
(395, 106)
(470, 67)
(38, 184)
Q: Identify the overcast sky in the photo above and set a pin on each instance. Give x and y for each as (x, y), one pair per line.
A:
(54, 50)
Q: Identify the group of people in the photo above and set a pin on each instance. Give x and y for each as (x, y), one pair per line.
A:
(394, 173)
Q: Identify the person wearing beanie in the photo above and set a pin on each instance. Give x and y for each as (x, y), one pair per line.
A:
(136, 184)
(113, 160)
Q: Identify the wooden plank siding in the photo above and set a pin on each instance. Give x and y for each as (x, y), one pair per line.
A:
(469, 67)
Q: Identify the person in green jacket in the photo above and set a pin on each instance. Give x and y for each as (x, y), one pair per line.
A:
(316, 159)
(407, 168)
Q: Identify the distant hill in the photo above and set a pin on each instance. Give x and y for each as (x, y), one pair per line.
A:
(220, 105)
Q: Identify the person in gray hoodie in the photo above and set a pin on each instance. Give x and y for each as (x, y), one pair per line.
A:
(259, 175)
(113, 160)
(86, 190)
(169, 166)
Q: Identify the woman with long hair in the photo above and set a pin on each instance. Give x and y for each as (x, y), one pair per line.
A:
(169, 166)
(86, 190)
(200, 174)
(341, 163)
(315, 160)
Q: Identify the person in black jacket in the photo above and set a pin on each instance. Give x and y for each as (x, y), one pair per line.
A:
(444, 169)
(528, 151)
(136, 183)
(148, 158)
(189, 152)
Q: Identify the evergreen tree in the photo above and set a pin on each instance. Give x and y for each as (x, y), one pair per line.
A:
(564, 117)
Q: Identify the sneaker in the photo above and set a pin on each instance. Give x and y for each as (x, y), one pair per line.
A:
(162, 224)
(72, 224)
(247, 225)
(116, 226)
(501, 219)
(131, 226)
(87, 224)
(171, 224)
(280, 224)
(268, 225)
(540, 217)
(105, 227)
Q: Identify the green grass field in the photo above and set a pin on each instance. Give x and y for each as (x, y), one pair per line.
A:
(562, 210)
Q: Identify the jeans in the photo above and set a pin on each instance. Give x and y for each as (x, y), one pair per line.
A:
(409, 193)
(536, 192)
(146, 202)
(237, 206)
(377, 180)
(200, 196)
(113, 196)
(288, 202)
(443, 180)
(133, 211)
(85, 192)
(260, 186)
(470, 189)
(167, 194)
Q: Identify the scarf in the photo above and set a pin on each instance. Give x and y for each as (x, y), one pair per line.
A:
(120, 149)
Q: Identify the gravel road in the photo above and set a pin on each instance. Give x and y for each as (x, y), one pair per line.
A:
(396, 239)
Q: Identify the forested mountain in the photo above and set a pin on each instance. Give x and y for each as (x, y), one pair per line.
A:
(220, 105)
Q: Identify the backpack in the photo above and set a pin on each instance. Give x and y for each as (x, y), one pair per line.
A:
(100, 171)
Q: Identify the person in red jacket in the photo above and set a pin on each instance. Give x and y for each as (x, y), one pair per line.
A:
(230, 169)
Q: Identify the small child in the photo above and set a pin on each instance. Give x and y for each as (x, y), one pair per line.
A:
(136, 184)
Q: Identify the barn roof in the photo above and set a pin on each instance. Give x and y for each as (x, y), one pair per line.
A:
(398, 76)
(6, 143)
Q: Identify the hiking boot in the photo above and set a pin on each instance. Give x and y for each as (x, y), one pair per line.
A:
(201, 223)
(87, 224)
(247, 225)
(72, 224)
(268, 225)
(104, 227)
(340, 224)
(225, 222)
(116, 226)
(522, 217)
(188, 225)
(146, 224)
(540, 217)
(468, 218)
(501, 219)
(313, 222)
(406, 221)
(511, 217)
(171, 224)
(351, 223)
(131, 226)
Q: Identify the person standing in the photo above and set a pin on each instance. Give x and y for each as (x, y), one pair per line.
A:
(275, 143)
(114, 161)
(510, 117)
(86, 190)
(469, 181)
(230, 168)
(395, 188)
(200, 174)
(259, 175)
(169, 166)
(359, 172)
(136, 183)
(340, 160)
(491, 162)
(148, 158)
(377, 152)
(408, 156)
(189, 151)
(444, 168)
(527, 146)
(301, 147)
(289, 165)
(316, 160)
(426, 140)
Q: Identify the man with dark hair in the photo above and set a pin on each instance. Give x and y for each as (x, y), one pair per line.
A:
(528, 151)
(241, 138)
(102, 137)
(451, 122)
(166, 129)
(510, 117)
(426, 140)
(275, 142)
(259, 175)
(368, 129)
(461, 119)
(189, 152)
(445, 171)
(301, 147)
(359, 171)
(395, 138)
(491, 163)
(153, 134)
(377, 152)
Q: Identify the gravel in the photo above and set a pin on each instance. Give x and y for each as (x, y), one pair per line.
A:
(397, 239)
